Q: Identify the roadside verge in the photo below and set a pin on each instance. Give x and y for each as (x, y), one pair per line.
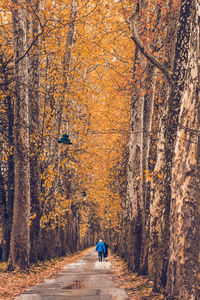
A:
(15, 283)
(136, 287)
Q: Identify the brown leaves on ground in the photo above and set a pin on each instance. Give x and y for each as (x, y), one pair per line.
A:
(136, 287)
(14, 283)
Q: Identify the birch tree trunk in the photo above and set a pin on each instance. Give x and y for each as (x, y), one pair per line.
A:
(183, 269)
(20, 236)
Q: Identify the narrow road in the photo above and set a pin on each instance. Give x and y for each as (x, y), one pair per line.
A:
(85, 279)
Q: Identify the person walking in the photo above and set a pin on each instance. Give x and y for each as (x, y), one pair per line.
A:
(101, 249)
(105, 254)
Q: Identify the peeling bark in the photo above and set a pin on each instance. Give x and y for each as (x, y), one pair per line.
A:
(159, 216)
(173, 205)
(134, 187)
(183, 266)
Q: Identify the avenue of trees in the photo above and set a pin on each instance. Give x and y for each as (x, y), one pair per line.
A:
(121, 78)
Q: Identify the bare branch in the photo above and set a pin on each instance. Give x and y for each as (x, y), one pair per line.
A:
(30, 46)
(145, 51)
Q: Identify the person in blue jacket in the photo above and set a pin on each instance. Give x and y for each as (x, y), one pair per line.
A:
(101, 249)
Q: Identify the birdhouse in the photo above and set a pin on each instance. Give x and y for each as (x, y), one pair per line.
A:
(65, 139)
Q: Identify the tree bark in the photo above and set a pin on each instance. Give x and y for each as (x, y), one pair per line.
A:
(10, 180)
(134, 187)
(20, 237)
(183, 269)
(161, 206)
(159, 228)
(34, 102)
(3, 216)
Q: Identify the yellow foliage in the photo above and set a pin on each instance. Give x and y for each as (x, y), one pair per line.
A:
(160, 175)
(90, 98)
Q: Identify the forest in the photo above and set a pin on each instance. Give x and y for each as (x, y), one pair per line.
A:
(99, 121)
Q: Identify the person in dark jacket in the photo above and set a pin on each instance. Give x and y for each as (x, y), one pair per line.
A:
(101, 249)
(105, 254)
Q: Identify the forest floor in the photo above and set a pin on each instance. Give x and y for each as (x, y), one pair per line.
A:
(15, 283)
(136, 287)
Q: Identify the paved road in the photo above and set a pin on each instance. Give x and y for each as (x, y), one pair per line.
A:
(85, 279)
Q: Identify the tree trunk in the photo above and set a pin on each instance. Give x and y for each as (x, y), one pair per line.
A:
(159, 242)
(164, 189)
(3, 216)
(183, 269)
(10, 182)
(34, 96)
(20, 237)
(147, 128)
(138, 171)
(134, 187)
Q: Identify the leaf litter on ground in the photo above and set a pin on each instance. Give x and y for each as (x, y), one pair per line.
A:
(16, 282)
(137, 287)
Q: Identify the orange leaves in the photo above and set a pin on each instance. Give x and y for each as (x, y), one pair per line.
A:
(160, 176)
(106, 54)
(88, 95)
(6, 153)
(150, 175)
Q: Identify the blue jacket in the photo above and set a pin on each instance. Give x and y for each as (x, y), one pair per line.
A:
(100, 247)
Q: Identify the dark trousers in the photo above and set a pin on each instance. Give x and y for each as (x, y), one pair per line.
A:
(100, 255)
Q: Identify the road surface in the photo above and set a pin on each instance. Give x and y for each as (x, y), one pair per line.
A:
(85, 279)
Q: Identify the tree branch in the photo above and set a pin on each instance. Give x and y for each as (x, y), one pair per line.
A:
(30, 46)
(145, 51)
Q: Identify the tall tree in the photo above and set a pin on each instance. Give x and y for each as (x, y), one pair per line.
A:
(20, 236)
(183, 268)
(179, 237)
(159, 231)
(34, 108)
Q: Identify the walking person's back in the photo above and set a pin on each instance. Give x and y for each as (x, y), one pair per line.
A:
(105, 254)
(101, 249)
